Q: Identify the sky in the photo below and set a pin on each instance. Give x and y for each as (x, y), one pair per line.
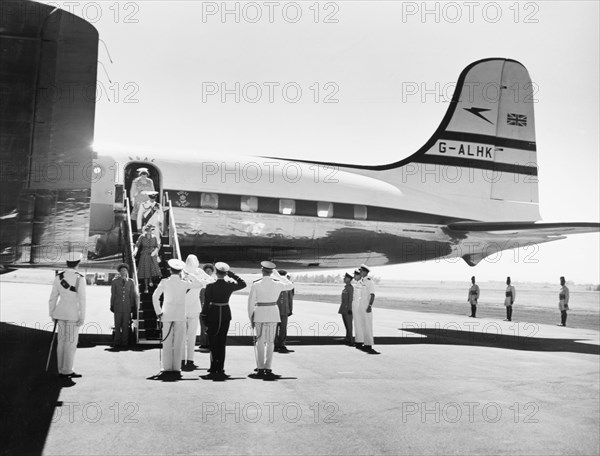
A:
(354, 63)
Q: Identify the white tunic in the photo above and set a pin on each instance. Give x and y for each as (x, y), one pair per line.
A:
(192, 297)
(267, 290)
(563, 298)
(174, 289)
(367, 289)
(473, 295)
(66, 304)
(509, 300)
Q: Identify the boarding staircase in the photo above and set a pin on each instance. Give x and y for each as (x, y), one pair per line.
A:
(146, 326)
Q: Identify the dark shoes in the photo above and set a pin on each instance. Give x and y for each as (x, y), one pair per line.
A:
(71, 375)
(188, 366)
(358, 345)
(283, 349)
(264, 374)
(369, 350)
(258, 373)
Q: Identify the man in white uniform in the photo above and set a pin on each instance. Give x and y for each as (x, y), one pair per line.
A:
(365, 306)
(67, 308)
(359, 332)
(264, 314)
(172, 313)
(192, 310)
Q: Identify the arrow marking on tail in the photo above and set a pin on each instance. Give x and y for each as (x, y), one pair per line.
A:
(477, 112)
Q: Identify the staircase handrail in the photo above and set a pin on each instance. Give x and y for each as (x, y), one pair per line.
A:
(134, 274)
(173, 229)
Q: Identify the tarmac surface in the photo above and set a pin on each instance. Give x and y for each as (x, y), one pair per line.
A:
(443, 384)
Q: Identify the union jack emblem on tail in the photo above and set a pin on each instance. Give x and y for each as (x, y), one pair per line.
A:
(519, 120)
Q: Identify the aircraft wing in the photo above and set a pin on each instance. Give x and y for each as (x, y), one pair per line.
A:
(477, 240)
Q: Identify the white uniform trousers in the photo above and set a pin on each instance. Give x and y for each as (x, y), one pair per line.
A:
(366, 324)
(359, 326)
(173, 345)
(191, 328)
(265, 340)
(66, 344)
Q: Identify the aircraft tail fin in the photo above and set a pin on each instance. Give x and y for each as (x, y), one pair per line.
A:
(484, 149)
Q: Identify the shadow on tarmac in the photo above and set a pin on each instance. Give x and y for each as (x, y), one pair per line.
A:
(436, 336)
(28, 395)
(220, 378)
(440, 336)
(170, 377)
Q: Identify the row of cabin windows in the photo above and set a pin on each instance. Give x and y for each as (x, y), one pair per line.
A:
(282, 206)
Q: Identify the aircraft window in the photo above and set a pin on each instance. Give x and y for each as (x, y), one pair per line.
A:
(249, 204)
(209, 201)
(360, 212)
(229, 202)
(287, 206)
(345, 211)
(308, 208)
(324, 209)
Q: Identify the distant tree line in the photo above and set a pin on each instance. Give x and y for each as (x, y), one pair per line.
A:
(324, 278)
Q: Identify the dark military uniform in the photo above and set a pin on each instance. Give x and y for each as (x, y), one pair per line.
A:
(285, 305)
(346, 311)
(217, 316)
(123, 302)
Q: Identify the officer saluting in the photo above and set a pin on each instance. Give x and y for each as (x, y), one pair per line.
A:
(264, 314)
(173, 312)
(67, 309)
(217, 314)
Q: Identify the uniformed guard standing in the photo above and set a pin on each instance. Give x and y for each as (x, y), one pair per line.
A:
(204, 347)
(192, 310)
(285, 305)
(140, 184)
(172, 313)
(264, 314)
(67, 308)
(217, 314)
(123, 302)
(563, 302)
(359, 331)
(473, 297)
(509, 299)
(365, 309)
(346, 307)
